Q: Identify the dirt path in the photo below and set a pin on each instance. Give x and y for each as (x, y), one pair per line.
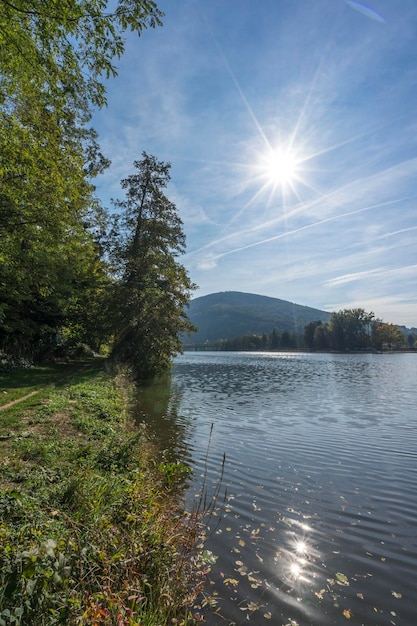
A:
(23, 398)
(34, 393)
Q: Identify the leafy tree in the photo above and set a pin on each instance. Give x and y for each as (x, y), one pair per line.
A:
(153, 288)
(322, 337)
(309, 331)
(64, 48)
(53, 58)
(411, 340)
(351, 329)
(389, 335)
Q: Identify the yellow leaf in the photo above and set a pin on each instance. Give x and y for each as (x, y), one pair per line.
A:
(347, 613)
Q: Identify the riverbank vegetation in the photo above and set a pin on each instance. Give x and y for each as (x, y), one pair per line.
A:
(72, 273)
(355, 330)
(348, 330)
(92, 527)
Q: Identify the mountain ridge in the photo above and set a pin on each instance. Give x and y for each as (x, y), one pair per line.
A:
(229, 314)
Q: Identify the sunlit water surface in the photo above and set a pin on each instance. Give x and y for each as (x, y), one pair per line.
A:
(320, 521)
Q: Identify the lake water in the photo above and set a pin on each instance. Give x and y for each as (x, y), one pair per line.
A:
(320, 520)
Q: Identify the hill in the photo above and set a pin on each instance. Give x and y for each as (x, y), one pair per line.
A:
(229, 314)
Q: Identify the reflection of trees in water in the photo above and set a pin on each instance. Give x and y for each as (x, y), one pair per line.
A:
(158, 406)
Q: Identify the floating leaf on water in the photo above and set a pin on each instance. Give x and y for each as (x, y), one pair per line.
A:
(342, 579)
(259, 557)
(347, 613)
(268, 615)
(228, 529)
(239, 563)
(360, 596)
(241, 542)
(208, 557)
(251, 606)
(231, 581)
(396, 595)
(320, 593)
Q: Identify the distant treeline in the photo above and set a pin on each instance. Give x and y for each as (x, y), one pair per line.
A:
(251, 342)
(347, 330)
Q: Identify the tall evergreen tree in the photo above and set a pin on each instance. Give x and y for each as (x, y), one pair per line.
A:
(152, 288)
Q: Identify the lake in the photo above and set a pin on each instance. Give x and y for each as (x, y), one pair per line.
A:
(319, 524)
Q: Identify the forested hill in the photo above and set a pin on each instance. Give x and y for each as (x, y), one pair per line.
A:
(229, 314)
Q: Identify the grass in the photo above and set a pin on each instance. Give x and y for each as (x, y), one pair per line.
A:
(92, 529)
(20, 382)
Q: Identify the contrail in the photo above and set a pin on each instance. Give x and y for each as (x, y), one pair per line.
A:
(365, 10)
(307, 226)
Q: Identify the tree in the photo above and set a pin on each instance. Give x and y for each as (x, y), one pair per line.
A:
(321, 340)
(275, 340)
(64, 48)
(286, 341)
(309, 331)
(411, 340)
(389, 335)
(351, 329)
(153, 288)
(52, 61)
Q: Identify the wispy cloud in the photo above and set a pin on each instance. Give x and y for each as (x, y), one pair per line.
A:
(347, 278)
(220, 84)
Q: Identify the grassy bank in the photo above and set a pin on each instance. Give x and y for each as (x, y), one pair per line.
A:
(91, 525)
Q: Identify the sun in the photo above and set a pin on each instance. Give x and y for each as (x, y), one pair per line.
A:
(279, 167)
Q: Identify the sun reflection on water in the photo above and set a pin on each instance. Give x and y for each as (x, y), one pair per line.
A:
(298, 559)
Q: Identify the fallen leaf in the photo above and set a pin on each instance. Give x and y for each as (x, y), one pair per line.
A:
(347, 613)
(342, 579)
(396, 595)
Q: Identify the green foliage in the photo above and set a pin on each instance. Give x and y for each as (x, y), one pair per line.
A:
(251, 343)
(350, 330)
(153, 288)
(53, 280)
(91, 528)
(175, 473)
(387, 335)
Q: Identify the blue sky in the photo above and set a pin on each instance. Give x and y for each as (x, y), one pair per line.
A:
(291, 126)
